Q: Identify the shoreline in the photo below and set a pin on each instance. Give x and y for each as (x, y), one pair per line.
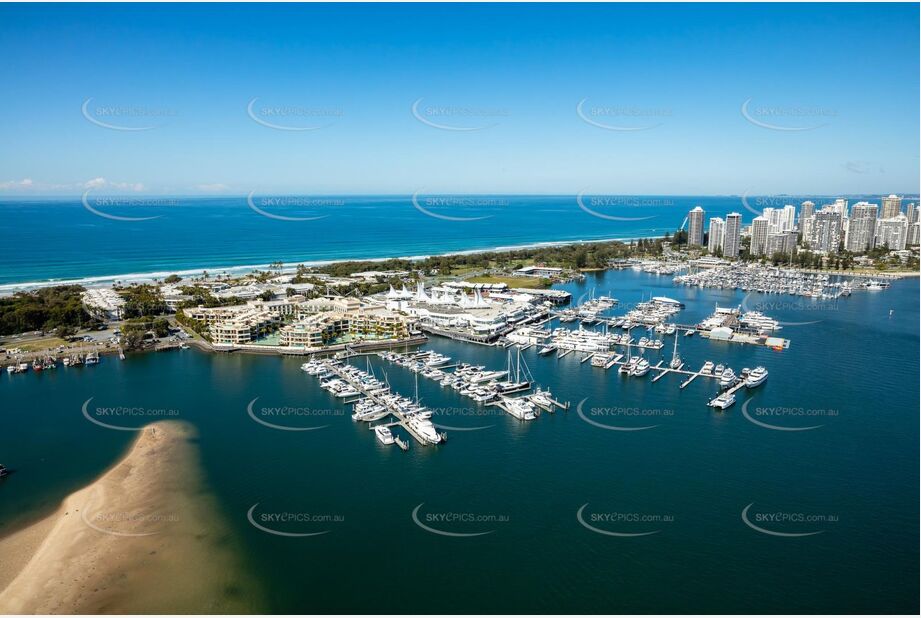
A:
(290, 267)
(144, 537)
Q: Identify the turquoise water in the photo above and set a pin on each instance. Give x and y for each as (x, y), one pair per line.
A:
(60, 239)
(692, 475)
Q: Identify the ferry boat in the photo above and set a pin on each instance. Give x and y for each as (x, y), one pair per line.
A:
(722, 401)
(383, 434)
(757, 377)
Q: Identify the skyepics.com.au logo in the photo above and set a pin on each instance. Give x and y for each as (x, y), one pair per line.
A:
(107, 206)
(457, 207)
(786, 418)
(623, 118)
(120, 418)
(466, 419)
(786, 524)
(130, 118)
(616, 207)
(296, 118)
(624, 524)
(317, 207)
(787, 118)
(457, 523)
(622, 418)
(125, 523)
(290, 418)
(458, 118)
(292, 523)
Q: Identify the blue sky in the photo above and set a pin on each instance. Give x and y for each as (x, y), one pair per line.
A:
(832, 93)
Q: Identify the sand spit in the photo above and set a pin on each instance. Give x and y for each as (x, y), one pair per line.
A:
(143, 538)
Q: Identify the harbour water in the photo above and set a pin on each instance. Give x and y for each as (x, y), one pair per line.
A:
(191, 234)
(672, 495)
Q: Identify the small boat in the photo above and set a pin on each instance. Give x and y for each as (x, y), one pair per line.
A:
(688, 333)
(37, 365)
(719, 369)
(92, 358)
(542, 400)
(4, 472)
(707, 368)
(383, 434)
(547, 349)
(404, 445)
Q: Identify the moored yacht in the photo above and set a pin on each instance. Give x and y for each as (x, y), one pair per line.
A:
(757, 377)
(383, 434)
(641, 368)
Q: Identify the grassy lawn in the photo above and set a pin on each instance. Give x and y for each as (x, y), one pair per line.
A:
(512, 282)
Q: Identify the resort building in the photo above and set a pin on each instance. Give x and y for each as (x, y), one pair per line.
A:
(731, 235)
(696, 227)
(891, 207)
(715, 235)
(861, 227)
(824, 233)
(806, 212)
(892, 232)
(539, 271)
(330, 327)
(243, 327)
(104, 303)
(760, 229)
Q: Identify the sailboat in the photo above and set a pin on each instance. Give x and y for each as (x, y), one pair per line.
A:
(518, 380)
(676, 360)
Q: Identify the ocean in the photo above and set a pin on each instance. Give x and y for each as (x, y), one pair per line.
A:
(90, 241)
(686, 516)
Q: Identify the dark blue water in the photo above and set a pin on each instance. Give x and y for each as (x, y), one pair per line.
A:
(60, 239)
(695, 472)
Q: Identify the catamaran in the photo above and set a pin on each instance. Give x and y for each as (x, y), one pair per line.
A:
(722, 401)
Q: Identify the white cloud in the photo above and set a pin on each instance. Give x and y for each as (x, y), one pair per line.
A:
(95, 183)
(101, 183)
(25, 183)
(212, 188)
